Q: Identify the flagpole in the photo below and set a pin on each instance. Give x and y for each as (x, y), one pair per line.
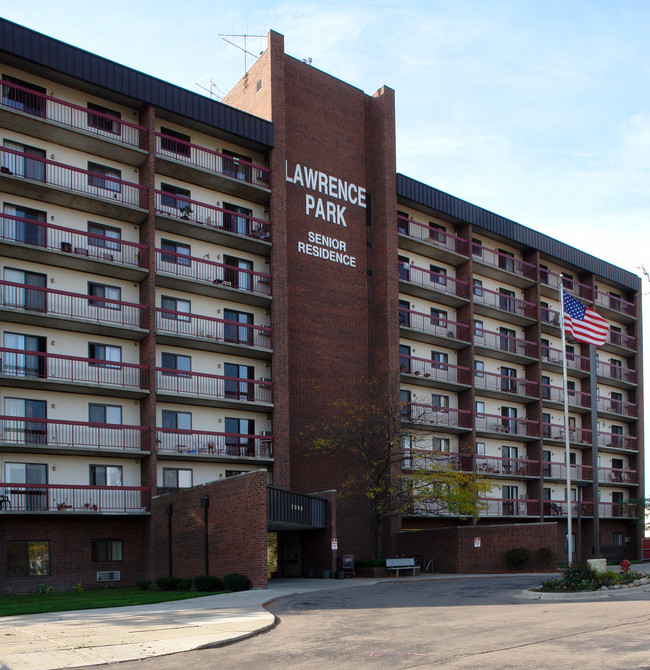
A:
(566, 425)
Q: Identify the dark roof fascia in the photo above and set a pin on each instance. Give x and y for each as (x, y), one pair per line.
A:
(461, 210)
(81, 65)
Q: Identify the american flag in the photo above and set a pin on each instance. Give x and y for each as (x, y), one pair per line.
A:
(582, 323)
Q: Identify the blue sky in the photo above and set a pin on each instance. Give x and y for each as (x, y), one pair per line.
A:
(538, 110)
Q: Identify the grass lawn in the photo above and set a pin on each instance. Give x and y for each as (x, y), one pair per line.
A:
(33, 603)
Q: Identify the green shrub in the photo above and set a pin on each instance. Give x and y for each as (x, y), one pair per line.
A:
(208, 583)
(79, 587)
(236, 582)
(370, 563)
(518, 557)
(143, 584)
(184, 585)
(168, 583)
(546, 556)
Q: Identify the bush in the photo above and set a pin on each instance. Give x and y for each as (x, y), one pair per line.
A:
(370, 563)
(546, 556)
(518, 557)
(236, 582)
(184, 585)
(79, 587)
(168, 583)
(208, 583)
(143, 584)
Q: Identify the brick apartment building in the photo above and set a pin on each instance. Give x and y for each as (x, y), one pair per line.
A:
(188, 285)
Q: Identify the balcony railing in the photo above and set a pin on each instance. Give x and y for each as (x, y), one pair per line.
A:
(619, 407)
(556, 394)
(510, 507)
(73, 179)
(554, 431)
(210, 272)
(73, 498)
(615, 303)
(212, 161)
(549, 316)
(216, 218)
(194, 442)
(619, 339)
(207, 327)
(510, 467)
(491, 381)
(436, 281)
(557, 470)
(72, 434)
(73, 116)
(208, 386)
(552, 279)
(503, 261)
(434, 370)
(76, 242)
(436, 416)
(433, 325)
(503, 302)
(506, 343)
(34, 299)
(612, 371)
(425, 459)
(507, 425)
(435, 236)
(618, 476)
(573, 361)
(20, 363)
(622, 510)
(618, 441)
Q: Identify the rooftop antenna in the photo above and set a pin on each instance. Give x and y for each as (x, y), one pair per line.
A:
(212, 90)
(244, 48)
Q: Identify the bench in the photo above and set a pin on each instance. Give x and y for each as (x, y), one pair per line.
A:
(397, 564)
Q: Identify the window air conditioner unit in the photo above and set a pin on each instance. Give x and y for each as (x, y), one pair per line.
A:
(109, 576)
(267, 433)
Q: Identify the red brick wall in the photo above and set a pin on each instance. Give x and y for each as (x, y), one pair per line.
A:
(453, 548)
(237, 535)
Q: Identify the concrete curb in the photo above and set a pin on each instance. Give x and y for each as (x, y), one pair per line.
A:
(529, 594)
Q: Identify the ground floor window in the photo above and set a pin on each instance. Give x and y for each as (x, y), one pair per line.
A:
(28, 559)
(617, 539)
(106, 550)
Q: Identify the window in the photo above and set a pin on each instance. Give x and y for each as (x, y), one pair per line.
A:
(106, 475)
(183, 307)
(439, 318)
(506, 299)
(98, 353)
(404, 358)
(546, 390)
(242, 277)
(480, 448)
(28, 558)
(616, 368)
(437, 275)
(24, 227)
(478, 328)
(112, 293)
(616, 403)
(405, 402)
(509, 425)
(177, 478)
(546, 424)
(104, 177)
(403, 267)
(440, 360)
(106, 414)
(441, 444)
(236, 218)
(235, 328)
(615, 335)
(478, 287)
(25, 432)
(437, 232)
(178, 362)
(105, 231)
(477, 247)
(180, 253)
(617, 539)
(29, 498)
(546, 467)
(546, 346)
(240, 440)
(235, 165)
(175, 142)
(98, 118)
(176, 420)
(439, 401)
(480, 407)
(508, 340)
(508, 379)
(28, 101)
(234, 387)
(102, 551)
(543, 274)
(32, 298)
(479, 367)
(24, 365)
(509, 454)
(176, 197)
(21, 164)
(506, 260)
(402, 222)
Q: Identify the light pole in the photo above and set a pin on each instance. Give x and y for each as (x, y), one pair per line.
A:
(580, 485)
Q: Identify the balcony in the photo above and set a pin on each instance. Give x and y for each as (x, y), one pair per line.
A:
(205, 277)
(205, 332)
(495, 385)
(619, 409)
(425, 459)
(43, 242)
(445, 419)
(522, 429)
(616, 375)
(516, 507)
(619, 510)
(616, 441)
(425, 372)
(209, 168)
(502, 266)
(421, 282)
(503, 346)
(613, 306)
(431, 242)
(48, 181)
(507, 467)
(557, 470)
(549, 320)
(554, 396)
(553, 432)
(39, 115)
(212, 224)
(620, 343)
(509, 308)
(199, 388)
(433, 329)
(617, 476)
(577, 364)
(550, 285)
(32, 369)
(206, 445)
(58, 436)
(72, 311)
(54, 498)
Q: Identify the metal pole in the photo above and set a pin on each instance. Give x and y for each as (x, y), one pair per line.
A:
(594, 448)
(567, 459)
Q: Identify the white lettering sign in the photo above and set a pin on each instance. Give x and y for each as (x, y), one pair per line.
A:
(327, 248)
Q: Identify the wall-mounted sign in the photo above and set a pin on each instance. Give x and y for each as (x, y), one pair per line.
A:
(477, 542)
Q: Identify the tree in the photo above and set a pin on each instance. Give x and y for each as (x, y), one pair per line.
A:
(378, 441)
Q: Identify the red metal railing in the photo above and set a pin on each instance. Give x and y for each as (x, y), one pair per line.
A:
(618, 475)
(433, 325)
(210, 272)
(613, 371)
(215, 217)
(214, 386)
(557, 470)
(510, 507)
(86, 182)
(556, 394)
(573, 361)
(178, 441)
(503, 302)
(620, 339)
(58, 367)
(620, 407)
(506, 343)
(512, 467)
(436, 281)
(49, 236)
(436, 416)
(73, 116)
(491, 381)
(424, 459)
(74, 498)
(72, 434)
(435, 236)
(72, 305)
(505, 424)
(618, 441)
(434, 370)
(554, 431)
(213, 161)
(605, 509)
(549, 316)
(207, 327)
(615, 303)
(503, 261)
(552, 279)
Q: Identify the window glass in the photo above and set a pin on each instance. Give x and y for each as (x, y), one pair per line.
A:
(28, 558)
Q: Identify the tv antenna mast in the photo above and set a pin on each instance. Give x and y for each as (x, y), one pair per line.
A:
(223, 36)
